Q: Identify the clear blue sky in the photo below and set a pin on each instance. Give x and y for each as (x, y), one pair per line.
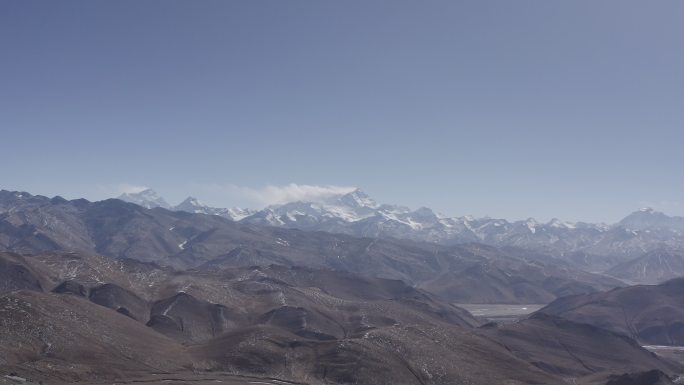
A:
(505, 108)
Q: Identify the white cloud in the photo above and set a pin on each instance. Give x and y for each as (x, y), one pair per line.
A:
(114, 190)
(271, 195)
(294, 192)
(666, 206)
(126, 188)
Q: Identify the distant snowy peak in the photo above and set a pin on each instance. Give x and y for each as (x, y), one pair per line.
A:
(650, 219)
(237, 214)
(350, 207)
(355, 213)
(150, 199)
(194, 205)
(147, 198)
(557, 223)
(356, 199)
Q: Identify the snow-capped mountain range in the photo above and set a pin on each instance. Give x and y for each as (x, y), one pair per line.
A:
(193, 205)
(149, 199)
(355, 213)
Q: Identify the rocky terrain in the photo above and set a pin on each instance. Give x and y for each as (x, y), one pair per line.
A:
(92, 319)
(651, 314)
(571, 349)
(656, 266)
(95, 292)
(204, 297)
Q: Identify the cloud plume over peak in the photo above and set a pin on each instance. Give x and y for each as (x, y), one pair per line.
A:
(126, 188)
(295, 192)
(276, 194)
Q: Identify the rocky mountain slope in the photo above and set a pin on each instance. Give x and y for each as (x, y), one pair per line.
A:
(127, 320)
(573, 350)
(651, 314)
(654, 267)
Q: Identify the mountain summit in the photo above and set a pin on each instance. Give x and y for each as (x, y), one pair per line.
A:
(192, 205)
(357, 199)
(648, 218)
(147, 198)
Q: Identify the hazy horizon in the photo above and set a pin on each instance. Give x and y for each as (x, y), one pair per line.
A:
(502, 109)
